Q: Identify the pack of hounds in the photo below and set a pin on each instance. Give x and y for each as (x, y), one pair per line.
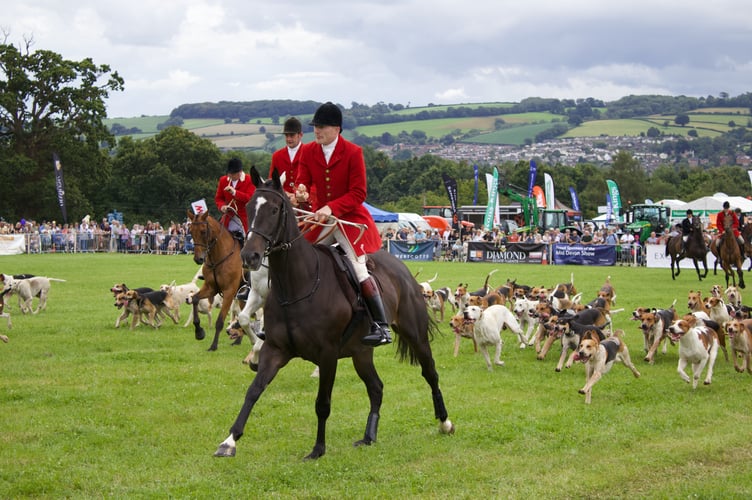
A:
(540, 317)
(537, 316)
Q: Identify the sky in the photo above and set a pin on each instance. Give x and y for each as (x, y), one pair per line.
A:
(410, 52)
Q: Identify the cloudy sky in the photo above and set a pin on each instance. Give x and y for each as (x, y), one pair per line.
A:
(172, 52)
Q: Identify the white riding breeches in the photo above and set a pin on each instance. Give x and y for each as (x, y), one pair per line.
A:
(358, 262)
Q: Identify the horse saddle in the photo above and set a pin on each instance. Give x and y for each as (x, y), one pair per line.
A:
(346, 274)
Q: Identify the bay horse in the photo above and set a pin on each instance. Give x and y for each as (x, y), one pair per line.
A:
(747, 235)
(695, 249)
(731, 255)
(219, 253)
(313, 313)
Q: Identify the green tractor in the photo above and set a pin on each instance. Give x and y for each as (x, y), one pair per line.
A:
(643, 219)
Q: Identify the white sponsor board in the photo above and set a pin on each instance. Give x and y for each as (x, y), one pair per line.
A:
(656, 257)
(12, 244)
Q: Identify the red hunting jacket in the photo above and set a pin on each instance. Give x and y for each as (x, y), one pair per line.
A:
(720, 221)
(243, 192)
(342, 185)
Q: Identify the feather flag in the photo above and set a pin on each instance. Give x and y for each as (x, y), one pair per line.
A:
(609, 210)
(492, 210)
(548, 184)
(451, 187)
(531, 178)
(613, 190)
(475, 193)
(540, 197)
(575, 200)
(60, 185)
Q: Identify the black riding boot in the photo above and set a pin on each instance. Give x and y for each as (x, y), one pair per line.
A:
(379, 334)
(238, 235)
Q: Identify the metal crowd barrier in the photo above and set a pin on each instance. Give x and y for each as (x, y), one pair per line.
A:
(72, 242)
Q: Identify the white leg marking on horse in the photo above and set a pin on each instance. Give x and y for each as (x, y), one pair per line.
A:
(229, 441)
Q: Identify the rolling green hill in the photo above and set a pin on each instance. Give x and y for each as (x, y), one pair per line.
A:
(501, 129)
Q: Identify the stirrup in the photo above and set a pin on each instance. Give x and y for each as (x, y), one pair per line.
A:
(379, 335)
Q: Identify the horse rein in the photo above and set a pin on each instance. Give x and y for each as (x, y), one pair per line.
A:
(209, 245)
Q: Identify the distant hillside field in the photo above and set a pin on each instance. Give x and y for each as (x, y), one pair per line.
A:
(514, 136)
(413, 111)
(632, 127)
(432, 128)
(517, 128)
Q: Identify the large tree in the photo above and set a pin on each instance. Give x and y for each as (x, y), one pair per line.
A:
(158, 178)
(52, 105)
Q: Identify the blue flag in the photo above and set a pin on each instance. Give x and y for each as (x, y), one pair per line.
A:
(475, 195)
(531, 180)
(575, 201)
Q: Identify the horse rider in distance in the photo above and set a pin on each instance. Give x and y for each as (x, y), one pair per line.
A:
(728, 217)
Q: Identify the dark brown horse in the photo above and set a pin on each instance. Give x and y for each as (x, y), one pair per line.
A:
(219, 252)
(747, 235)
(313, 312)
(695, 249)
(730, 256)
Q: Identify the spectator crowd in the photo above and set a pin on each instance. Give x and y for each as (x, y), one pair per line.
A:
(104, 236)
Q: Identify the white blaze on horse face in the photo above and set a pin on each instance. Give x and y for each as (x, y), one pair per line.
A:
(260, 201)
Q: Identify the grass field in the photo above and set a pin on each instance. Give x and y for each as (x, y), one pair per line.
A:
(513, 135)
(89, 411)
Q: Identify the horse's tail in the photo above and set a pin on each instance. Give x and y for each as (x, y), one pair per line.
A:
(405, 351)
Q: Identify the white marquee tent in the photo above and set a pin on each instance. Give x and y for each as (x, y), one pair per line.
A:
(713, 204)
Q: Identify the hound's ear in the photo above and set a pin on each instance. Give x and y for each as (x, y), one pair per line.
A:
(255, 177)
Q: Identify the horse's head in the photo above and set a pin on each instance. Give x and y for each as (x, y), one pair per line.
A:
(269, 212)
(202, 235)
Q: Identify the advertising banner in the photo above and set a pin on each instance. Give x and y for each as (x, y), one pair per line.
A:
(511, 253)
(589, 255)
(417, 251)
(655, 256)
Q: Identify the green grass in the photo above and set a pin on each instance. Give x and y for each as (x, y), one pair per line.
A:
(89, 411)
(512, 135)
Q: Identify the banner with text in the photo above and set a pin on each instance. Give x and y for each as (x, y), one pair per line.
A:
(416, 251)
(655, 256)
(589, 255)
(12, 244)
(511, 253)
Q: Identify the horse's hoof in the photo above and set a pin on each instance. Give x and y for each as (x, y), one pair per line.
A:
(317, 452)
(200, 334)
(446, 427)
(362, 442)
(225, 450)
(212, 348)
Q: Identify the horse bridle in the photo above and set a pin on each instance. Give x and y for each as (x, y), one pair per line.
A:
(210, 244)
(273, 243)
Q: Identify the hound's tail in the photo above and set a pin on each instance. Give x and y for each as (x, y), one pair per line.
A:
(197, 276)
(488, 276)
(55, 279)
